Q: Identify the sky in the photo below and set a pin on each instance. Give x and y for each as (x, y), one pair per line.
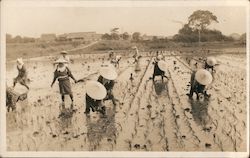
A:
(161, 21)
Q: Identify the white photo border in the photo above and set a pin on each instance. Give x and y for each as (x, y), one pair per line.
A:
(83, 3)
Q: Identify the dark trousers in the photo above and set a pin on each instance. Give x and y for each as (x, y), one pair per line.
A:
(110, 96)
(22, 81)
(94, 105)
(197, 91)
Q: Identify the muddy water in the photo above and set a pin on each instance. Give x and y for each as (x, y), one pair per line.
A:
(149, 117)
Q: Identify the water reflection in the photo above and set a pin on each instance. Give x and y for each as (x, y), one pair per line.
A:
(200, 112)
(65, 116)
(101, 129)
(159, 87)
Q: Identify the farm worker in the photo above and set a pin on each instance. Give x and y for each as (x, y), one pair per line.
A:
(199, 80)
(157, 53)
(136, 57)
(95, 93)
(160, 68)
(62, 74)
(111, 55)
(116, 60)
(106, 78)
(12, 98)
(210, 63)
(22, 74)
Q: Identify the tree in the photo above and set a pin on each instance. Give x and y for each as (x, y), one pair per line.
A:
(243, 38)
(115, 36)
(8, 38)
(106, 36)
(17, 39)
(200, 20)
(186, 30)
(136, 36)
(155, 38)
(125, 36)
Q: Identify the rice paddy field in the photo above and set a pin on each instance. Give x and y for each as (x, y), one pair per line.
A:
(149, 117)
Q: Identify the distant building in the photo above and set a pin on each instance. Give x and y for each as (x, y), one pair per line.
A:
(147, 38)
(48, 37)
(160, 37)
(62, 37)
(80, 36)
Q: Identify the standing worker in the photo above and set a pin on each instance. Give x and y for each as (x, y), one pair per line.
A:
(136, 57)
(62, 74)
(22, 74)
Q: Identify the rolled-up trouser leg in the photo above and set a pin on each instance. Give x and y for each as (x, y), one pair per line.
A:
(191, 92)
(113, 99)
(14, 82)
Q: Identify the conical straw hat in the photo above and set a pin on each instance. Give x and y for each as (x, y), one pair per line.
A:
(96, 90)
(203, 76)
(162, 65)
(108, 73)
(211, 61)
(61, 60)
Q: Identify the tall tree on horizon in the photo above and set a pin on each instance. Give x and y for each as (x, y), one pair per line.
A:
(200, 20)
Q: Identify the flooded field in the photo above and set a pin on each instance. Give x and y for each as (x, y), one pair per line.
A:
(150, 117)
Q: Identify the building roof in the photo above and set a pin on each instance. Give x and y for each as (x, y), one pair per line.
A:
(80, 34)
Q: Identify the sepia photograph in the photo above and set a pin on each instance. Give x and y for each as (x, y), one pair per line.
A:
(139, 77)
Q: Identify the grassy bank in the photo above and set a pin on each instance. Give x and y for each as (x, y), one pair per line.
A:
(30, 50)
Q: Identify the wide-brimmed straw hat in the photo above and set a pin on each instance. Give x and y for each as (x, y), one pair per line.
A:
(108, 72)
(203, 76)
(96, 90)
(64, 52)
(162, 65)
(211, 61)
(61, 60)
(118, 57)
(19, 61)
(159, 57)
(134, 47)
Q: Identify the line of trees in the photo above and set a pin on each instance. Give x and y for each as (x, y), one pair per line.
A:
(115, 35)
(19, 39)
(195, 30)
(187, 34)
